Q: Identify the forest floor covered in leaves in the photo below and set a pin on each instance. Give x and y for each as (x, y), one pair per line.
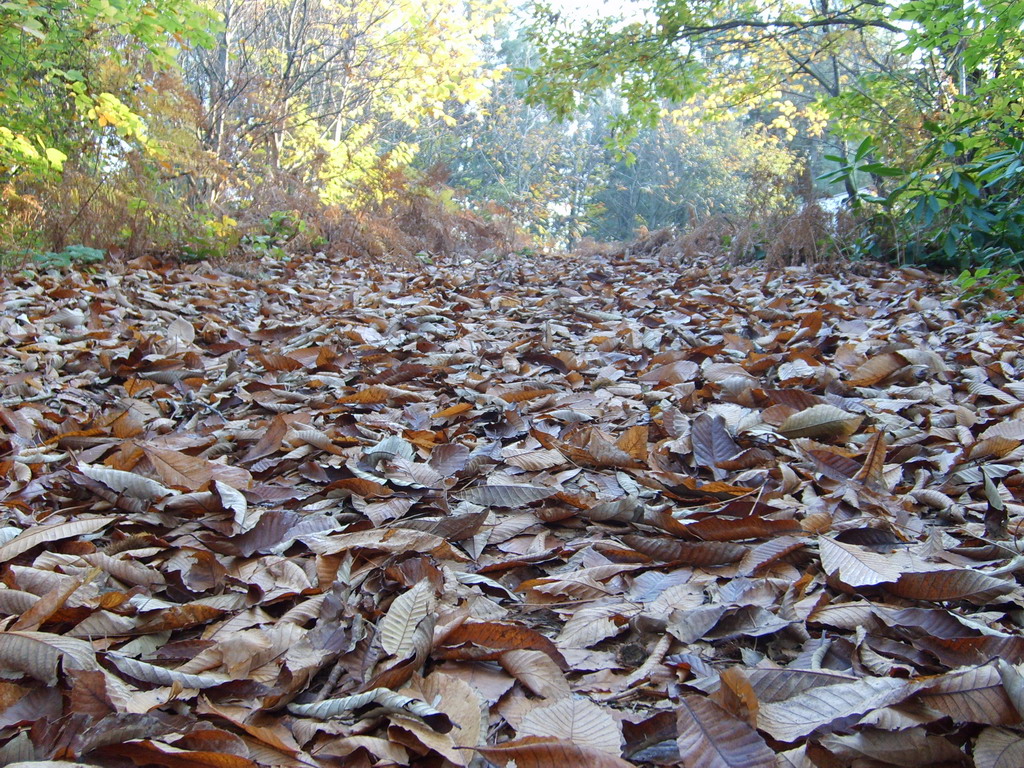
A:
(540, 512)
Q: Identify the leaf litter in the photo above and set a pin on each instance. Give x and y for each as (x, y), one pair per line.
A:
(542, 512)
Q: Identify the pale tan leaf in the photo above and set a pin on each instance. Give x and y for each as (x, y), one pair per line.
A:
(709, 737)
(1013, 684)
(125, 570)
(104, 624)
(398, 627)
(1012, 429)
(932, 498)
(592, 624)
(793, 718)
(383, 540)
(602, 452)
(460, 703)
(820, 422)
(126, 483)
(857, 566)
(910, 748)
(999, 748)
(38, 654)
(46, 534)
(535, 461)
(671, 373)
(578, 720)
(234, 501)
(537, 671)
(315, 438)
(182, 330)
(505, 495)
(14, 602)
(179, 470)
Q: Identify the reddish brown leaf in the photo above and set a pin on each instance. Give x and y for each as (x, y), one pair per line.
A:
(545, 752)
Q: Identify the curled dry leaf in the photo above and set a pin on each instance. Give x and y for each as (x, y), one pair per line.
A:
(821, 422)
(126, 483)
(151, 673)
(388, 700)
(537, 671)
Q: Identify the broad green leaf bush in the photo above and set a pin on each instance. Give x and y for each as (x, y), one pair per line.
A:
(42, 261)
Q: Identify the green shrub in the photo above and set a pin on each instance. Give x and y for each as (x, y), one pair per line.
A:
(77, 255)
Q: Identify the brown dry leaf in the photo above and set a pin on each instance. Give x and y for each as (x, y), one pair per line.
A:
(492, 638)
(972, 695)
(145, 752)
(821, 422)
(709, 737)
(46, 606)
(951, 584)
(737, 696)
(712, 444)
(876, 369)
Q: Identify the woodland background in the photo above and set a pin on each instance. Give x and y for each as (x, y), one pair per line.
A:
(208, 129)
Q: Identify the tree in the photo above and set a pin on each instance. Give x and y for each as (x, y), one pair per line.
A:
(55, 56)
(929, 90)
(304, 89)
(676, 49)
(506, 153)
